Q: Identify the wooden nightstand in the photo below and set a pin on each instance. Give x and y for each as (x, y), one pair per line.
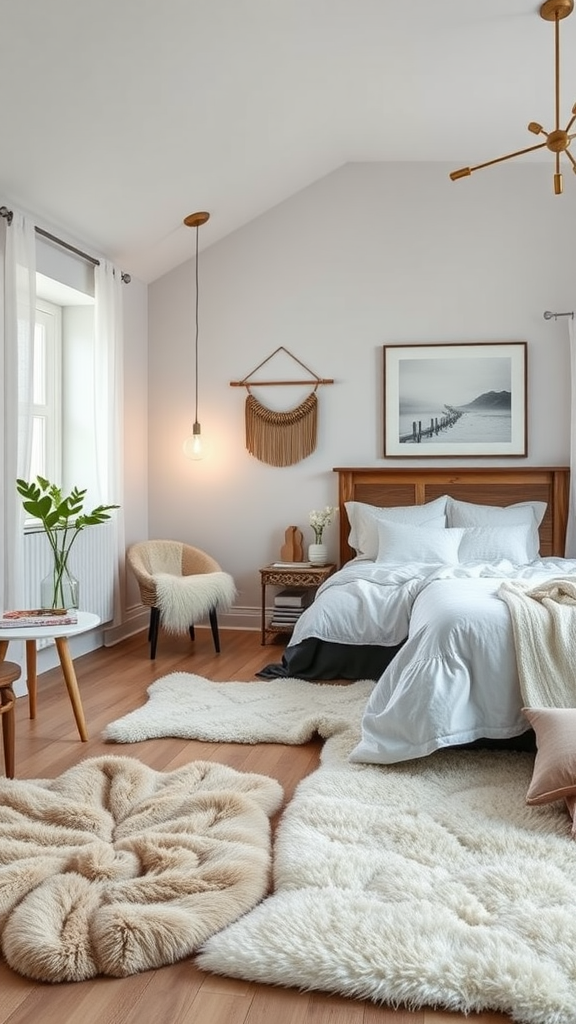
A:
(307, 578)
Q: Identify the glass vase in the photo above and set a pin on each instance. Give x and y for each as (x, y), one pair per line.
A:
(59, 589)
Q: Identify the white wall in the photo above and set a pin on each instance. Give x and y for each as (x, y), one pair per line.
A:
(373, 254)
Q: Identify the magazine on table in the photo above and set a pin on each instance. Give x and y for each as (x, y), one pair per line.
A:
(20, 617)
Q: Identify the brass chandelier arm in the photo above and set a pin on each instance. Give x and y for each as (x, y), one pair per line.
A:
(465, 171)
(558, 140)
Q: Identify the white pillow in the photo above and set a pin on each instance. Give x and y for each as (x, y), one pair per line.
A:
(493, 543)
(399, 544)
(465, 513)
(364, 521)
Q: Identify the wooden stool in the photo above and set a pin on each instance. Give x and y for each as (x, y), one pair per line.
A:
(9, 673)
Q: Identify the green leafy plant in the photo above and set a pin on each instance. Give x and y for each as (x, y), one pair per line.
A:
(63, 519)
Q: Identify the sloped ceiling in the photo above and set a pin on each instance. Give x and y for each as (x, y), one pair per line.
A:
(119, 117)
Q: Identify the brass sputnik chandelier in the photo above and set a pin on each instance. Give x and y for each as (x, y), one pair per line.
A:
(557, 141)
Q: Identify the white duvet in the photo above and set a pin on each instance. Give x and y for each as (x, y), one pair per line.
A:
(455, 679)
(364, 603)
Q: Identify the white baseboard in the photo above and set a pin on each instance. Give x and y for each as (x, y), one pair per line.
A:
(135, 620)
(138, 617)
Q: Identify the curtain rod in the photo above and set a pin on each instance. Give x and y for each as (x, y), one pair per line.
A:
(548, 315)
(8, 214)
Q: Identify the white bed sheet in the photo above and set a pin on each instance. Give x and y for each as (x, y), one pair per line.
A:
(455, 679)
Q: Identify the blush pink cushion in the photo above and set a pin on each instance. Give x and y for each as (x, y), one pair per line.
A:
(554, 775)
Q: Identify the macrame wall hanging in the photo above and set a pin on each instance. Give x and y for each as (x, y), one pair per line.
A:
(281, 438)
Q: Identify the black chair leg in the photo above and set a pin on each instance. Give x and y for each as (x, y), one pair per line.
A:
(153, 631)
(214, 625)
(191, 631)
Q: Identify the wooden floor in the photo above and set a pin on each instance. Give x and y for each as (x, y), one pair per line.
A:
(113, 681)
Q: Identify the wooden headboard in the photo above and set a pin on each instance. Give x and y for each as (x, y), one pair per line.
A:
(503, 486)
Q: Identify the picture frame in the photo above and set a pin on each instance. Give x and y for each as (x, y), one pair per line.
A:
(453, 400)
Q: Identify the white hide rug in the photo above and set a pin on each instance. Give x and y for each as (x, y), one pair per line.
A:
(278, 711)
(428, 883)
(114, 868)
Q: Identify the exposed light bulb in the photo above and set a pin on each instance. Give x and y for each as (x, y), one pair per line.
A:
(192, 446)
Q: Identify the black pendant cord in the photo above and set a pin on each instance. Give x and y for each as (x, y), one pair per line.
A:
(197, 333)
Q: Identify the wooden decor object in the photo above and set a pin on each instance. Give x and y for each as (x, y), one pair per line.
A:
(292, 550)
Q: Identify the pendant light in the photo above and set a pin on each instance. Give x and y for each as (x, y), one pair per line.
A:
(193, 445)
(559, 139)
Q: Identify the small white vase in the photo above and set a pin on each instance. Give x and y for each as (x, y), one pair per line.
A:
(318, 554)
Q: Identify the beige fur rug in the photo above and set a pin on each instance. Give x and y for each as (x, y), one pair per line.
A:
(114, 868)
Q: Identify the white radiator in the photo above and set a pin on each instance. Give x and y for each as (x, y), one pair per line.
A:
(91, 561)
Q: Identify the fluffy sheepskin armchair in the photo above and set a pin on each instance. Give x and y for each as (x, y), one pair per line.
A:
(180, 584)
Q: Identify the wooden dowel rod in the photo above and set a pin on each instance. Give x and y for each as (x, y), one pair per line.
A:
(273, 383)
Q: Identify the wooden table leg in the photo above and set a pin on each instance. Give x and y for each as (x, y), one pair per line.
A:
(71, 685)
(263, 621)
(31, 673)
(7, 701)
(31, 676)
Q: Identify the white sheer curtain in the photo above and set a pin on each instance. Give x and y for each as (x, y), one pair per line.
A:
(17, 315)
(570, 550)
(109, 407)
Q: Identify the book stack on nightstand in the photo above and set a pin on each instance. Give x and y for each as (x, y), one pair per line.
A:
(288, 607)
(293, 576)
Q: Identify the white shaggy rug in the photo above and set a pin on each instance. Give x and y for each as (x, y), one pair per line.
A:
(114, 868)
(428, 883)
(278, 711)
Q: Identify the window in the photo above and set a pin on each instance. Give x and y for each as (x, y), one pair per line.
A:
(63, 403)
(46, 456)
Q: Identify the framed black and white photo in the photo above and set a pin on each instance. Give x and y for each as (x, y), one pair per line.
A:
(455, 400)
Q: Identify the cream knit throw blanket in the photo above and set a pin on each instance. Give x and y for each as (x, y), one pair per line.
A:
(544, 627)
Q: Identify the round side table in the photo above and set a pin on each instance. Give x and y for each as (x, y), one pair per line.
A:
(60, 634)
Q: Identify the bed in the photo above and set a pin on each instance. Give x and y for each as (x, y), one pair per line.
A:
(424, 618)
